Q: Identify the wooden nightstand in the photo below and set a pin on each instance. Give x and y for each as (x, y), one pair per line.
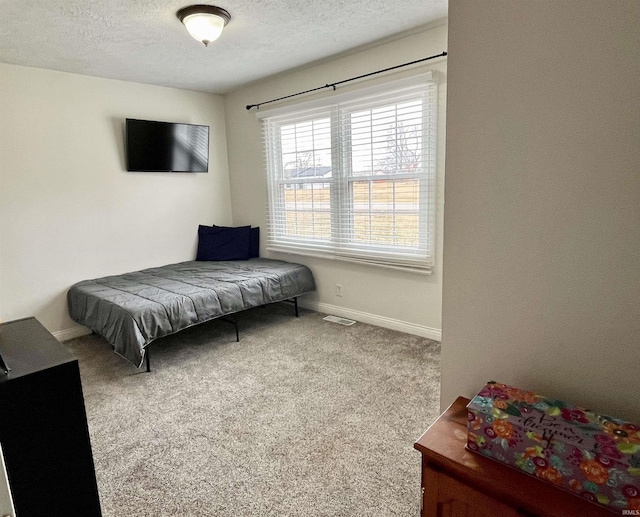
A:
(459, 483)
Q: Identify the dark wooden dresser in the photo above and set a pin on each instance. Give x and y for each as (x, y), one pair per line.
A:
(459, 483)
(43, 425)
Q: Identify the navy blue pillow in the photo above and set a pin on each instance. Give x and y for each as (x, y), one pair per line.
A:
(254, 239)
(221, 243)
(254, 242)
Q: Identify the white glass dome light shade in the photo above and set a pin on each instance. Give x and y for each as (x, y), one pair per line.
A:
(204, 22)
(204, 27)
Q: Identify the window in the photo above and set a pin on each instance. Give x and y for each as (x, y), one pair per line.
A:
(352, 177)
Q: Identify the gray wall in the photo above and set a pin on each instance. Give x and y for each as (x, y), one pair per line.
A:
(541, 281)
(402, 300)
(69, 210)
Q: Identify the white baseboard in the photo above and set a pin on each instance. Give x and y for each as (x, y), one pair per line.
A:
(73, 332)
(373, 319)
(325, 308)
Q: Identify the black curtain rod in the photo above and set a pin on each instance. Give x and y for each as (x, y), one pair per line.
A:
(333, 85)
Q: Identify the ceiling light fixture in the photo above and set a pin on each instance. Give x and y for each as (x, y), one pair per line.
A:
(204, 22)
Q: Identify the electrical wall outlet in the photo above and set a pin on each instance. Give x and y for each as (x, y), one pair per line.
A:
(338, 289)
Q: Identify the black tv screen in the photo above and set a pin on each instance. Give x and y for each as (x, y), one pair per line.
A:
(166, 147)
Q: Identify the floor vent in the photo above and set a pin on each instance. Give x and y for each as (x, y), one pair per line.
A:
(341, 321)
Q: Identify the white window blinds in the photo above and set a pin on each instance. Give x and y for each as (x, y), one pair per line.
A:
(352, 177)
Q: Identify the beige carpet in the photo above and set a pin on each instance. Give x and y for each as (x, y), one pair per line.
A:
(301, 417)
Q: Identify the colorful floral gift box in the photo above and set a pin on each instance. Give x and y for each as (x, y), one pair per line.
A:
(594, 456)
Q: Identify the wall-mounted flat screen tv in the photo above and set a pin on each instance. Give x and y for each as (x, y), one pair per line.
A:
(166, 146)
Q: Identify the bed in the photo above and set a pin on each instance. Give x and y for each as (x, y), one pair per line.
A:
(134, 309)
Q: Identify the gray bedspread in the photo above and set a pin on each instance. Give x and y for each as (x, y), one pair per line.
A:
(133, 309)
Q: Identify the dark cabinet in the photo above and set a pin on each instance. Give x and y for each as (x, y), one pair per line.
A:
(43, 425)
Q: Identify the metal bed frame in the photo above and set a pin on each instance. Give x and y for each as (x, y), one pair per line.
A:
(233, 321)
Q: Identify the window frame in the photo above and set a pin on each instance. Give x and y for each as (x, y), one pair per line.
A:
(337, 108)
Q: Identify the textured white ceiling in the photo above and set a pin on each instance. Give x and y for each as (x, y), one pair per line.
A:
(143, 40)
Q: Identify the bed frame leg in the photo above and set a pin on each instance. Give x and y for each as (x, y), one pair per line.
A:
(146, 354)
(233, 320)
(295, 303)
